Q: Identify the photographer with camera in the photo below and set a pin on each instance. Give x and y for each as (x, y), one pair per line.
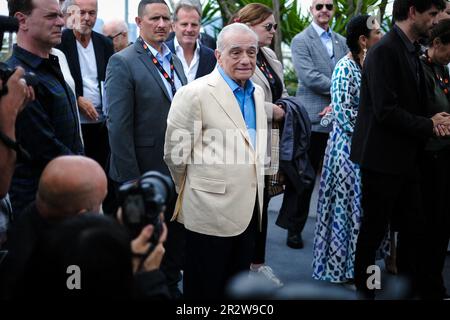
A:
(100, 247)
(18, 95)
(68, 186)
(48, 126)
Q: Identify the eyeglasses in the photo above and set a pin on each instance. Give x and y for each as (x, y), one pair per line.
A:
(269, 26)
(320, 6)
(112, 37)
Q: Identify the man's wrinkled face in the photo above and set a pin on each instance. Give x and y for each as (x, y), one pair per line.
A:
(238, 58)
(88, 16)
(187, 26)
(44, 23)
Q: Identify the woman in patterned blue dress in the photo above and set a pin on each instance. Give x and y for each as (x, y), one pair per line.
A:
(339, 204)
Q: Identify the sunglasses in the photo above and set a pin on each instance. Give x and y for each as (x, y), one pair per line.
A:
(269, 26)
(320, 6)
(112, 37)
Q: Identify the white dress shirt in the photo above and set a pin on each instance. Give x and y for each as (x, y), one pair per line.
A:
(189, 70)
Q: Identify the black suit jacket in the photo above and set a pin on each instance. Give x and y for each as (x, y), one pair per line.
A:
(207, 61)
(103, 49)
(392, 124)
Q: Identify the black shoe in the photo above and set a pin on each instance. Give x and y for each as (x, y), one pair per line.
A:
(294, 240)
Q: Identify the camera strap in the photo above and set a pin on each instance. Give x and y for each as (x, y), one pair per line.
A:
(14, 145)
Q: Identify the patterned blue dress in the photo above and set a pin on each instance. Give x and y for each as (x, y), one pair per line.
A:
(339, 205)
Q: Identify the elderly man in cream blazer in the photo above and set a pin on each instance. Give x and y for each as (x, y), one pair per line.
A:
(215, 148)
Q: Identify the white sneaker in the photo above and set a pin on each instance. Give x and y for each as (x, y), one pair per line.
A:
(268, 273)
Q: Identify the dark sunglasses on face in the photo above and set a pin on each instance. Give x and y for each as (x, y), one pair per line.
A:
(112, 37)
(329, 6)
(269, 26)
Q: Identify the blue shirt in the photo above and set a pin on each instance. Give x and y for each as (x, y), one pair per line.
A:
(164, 60)
(244, 96)
(325, 37)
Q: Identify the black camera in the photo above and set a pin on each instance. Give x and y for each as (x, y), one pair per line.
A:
(6, 72)
(10, 24)
(143, 200)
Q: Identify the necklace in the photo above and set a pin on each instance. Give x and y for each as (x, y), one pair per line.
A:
(442, 79)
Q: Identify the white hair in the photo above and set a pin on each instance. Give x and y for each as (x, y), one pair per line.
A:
(67, 3)
(237, 28)
(117, 25)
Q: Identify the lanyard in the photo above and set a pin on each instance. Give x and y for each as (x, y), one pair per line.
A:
(171, 79)
(265, 70)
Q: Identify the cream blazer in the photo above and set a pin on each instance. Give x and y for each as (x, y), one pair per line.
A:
(218, 174)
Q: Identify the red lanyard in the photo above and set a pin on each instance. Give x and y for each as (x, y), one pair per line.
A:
(155, 61)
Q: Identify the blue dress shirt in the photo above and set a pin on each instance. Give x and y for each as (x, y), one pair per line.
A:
(325, 37)
(244, 96)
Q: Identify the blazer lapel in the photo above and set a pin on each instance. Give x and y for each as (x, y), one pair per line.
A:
(179, 70)
(99, 55)
(261, 122)
(201, 63)
(222, 93)
(262, 77)
(337, 48)
(74, 62)
(277, 68)
(152, 68)
(319, 47)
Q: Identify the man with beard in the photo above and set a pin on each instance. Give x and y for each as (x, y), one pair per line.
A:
(391, 130)
(88, 53)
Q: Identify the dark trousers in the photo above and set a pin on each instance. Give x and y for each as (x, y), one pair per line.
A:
(259, 254)
(385, 197)
(295, 207)
(212, 261)
(96, 144)
(435, 168)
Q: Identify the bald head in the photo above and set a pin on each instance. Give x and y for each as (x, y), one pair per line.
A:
(117, 31)
(70, 185)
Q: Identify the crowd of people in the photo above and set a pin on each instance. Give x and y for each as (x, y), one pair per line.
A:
(370, 118)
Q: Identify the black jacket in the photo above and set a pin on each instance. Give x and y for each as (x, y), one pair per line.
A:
(392, 124)
(294, 144)
(207, 60)
(103, 49)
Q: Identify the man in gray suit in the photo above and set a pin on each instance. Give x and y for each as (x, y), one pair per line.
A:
(141, 81)
(315, 52)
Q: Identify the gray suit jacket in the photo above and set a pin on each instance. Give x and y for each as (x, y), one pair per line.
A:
(314, 69)
(138, 107)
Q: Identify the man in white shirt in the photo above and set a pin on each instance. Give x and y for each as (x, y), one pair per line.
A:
(197, 59)
(87, 53)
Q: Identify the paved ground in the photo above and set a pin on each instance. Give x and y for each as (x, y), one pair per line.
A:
(293, 266)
